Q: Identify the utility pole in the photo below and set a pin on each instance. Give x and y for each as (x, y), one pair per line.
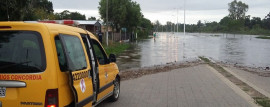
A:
(107, 33)
(171, 27)
(184, 17)
(168, 26)
(177, 20)
(174, 28)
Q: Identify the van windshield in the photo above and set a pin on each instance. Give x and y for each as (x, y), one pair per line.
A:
(21, 52)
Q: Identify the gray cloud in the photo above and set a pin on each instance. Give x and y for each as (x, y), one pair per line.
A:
(76, 4)
(258, 8)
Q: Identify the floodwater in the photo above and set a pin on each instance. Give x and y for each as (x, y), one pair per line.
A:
(244, 50)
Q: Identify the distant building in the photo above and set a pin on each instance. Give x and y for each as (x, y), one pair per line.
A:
(92, 26)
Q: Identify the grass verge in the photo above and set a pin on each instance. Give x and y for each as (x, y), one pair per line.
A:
(257, 96)
(116, 48)
(265, 102)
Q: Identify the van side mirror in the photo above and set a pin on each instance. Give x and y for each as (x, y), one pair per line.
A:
(112, 58)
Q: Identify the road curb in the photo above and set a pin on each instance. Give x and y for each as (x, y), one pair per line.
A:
(235, 88)
(249, 83)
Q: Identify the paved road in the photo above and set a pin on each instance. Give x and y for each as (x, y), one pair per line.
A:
(195, 86)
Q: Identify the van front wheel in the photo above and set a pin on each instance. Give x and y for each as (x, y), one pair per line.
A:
(116, 90)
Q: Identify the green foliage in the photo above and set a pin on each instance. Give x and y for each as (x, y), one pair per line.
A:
(145, 28)
(235, 25)
(157, 25)
(199, 25)
(134, 16)
(264, 102)
(69, 15)
(263, 37)
(266, 22)
(116, 48)
(237, 10)
(146, 23)
(19, 10)
(121, 13)
(92, 18)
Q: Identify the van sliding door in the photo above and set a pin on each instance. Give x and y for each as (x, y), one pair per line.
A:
(75, 62)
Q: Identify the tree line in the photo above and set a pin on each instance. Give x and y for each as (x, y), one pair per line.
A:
(26, 10)
(235, 22)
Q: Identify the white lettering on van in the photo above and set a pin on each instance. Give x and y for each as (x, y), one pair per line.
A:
(31, 103)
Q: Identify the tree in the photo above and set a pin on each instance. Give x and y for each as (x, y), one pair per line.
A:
(146, 28)
(121, 13)
(237, 10)
(266, 22)
(69, 15)
(255, 21)
(18, 10)
(92, 18)
(248, 22)
(77, 16)
(267, 16)
(230, 25)
(134, 16)
(146, 23)
(156, 26)
(117, 12)
(199, 25)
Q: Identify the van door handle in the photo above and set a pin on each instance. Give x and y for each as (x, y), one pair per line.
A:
(12, 84)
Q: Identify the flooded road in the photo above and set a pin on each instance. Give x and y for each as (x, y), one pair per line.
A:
(244, 50)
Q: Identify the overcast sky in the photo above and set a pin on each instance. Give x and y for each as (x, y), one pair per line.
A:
(166, 10)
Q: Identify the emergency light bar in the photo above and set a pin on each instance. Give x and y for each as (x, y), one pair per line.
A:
(64, 22)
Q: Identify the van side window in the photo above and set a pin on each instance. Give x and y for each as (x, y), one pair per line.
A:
(74, 53)
(99, 52)
(60, 54)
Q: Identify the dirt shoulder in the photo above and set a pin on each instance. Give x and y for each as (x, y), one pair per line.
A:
(264, 72)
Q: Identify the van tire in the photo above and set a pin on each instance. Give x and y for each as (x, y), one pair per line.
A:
(116, 90)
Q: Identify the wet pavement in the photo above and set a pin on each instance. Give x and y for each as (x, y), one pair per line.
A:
(244, 50)
(197, 86)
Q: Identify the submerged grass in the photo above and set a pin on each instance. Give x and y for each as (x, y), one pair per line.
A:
(263, 37)
(205, 59)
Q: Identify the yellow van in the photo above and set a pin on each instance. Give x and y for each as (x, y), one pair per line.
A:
(53, 65)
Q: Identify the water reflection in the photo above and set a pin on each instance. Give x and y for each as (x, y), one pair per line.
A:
(241, 49)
